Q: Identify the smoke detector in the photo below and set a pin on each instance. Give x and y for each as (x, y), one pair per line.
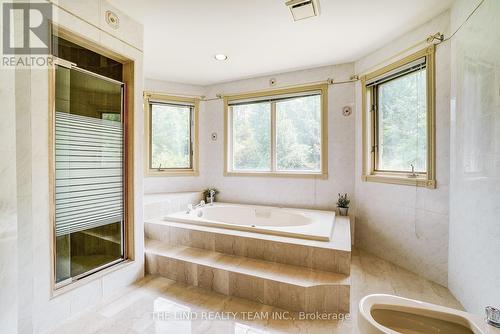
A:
(303, 9)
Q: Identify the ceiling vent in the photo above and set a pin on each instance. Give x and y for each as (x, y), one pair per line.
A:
(303, 9)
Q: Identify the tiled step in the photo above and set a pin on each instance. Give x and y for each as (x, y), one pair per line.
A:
(285, 286)
(333, 256)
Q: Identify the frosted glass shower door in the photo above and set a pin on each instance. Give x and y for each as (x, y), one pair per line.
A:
(88, 173)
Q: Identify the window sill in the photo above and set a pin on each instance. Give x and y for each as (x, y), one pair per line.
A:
(421, 181)
(318, 175)
(172, 172)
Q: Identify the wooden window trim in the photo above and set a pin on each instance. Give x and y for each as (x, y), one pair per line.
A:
(129, 171)
(322, 174)
(194, 170)
(369, 172)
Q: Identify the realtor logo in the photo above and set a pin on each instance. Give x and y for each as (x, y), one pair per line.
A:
(26, 28)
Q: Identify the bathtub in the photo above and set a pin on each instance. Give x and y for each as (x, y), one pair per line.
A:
(297, 223)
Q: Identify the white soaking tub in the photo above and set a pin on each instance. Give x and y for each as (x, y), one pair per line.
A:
(298, 223)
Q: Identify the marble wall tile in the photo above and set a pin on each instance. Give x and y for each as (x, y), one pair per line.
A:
(157, 232)
(128, 31)
(343, 262)
(213, 279)
(287, 253)
(163, 204)
(88, 296)
(229, 244)
(293, 254)
(323, 259)
(255, 248)
(87, 10)
(203, 240)
(386, 215)
(76, 26)
(246, 287)
(40, 312)
(179, 236)
(327, 299)
(286, 296)
(474, 232)
(177, 270)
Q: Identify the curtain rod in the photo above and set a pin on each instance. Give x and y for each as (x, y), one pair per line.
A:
(328, 81)
(219, 96)
(428, 41)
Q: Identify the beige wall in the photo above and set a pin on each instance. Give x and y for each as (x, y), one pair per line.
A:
(474, 261)
(27, 234)
(404, 224)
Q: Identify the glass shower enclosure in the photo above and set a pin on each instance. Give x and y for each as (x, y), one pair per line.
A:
(88, 173)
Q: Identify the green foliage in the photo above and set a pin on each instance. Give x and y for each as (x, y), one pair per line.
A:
(111, 116)
(298, 135)
(403, 123)
(251, 136)
(170, 136)
(343, 201)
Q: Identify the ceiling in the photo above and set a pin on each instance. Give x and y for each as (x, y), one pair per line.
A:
(181, 37)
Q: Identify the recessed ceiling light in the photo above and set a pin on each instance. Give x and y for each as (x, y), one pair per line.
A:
(220, 56)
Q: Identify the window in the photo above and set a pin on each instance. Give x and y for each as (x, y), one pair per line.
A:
(278, 132)
(172, 131)
(398, 122)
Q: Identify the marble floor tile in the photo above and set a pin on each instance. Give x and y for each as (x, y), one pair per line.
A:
(158, 305)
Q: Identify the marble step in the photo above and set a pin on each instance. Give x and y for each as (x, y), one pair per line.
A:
(289, 287)
(333, 256)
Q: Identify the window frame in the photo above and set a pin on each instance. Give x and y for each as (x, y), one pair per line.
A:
(370, 126)
(129, 166)
(274, 172)
(149, 99)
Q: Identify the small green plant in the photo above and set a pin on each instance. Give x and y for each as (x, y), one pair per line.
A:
(343, 201)
(206, 192)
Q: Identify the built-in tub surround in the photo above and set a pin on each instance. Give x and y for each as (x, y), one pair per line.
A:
(306, 224)
(292, 273)
(132, 309)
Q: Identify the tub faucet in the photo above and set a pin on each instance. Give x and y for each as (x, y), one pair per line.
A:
(493, 316)
(211, 197)
(192, 207)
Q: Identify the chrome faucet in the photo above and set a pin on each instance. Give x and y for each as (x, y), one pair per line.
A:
(192, 207)
(211, 197)
(493, 316)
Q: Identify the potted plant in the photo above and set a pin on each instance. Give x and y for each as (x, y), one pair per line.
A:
(343, 204)
(209, 195)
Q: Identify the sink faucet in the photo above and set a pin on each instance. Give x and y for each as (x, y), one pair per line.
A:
(493, 316)
(192, 207)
